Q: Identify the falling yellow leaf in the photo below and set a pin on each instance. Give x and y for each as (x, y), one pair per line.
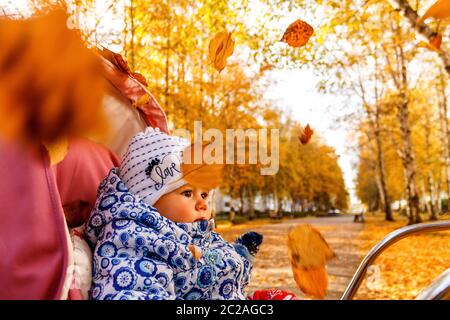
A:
(202, 175)
(439, 10)
(297, 34)
(220, 48)
(308, 253)
(196, 252)
(57, 150)
(307, 247)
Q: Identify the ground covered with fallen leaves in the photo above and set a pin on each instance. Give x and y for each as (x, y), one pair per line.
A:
(401, 272)
(272, 269)
(407, 267)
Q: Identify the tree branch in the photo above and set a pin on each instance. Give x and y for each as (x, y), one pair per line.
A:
(423, 29)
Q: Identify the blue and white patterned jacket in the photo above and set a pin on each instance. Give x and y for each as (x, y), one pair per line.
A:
(139, 254)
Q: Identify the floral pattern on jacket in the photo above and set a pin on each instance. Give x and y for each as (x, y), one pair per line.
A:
(139, 254)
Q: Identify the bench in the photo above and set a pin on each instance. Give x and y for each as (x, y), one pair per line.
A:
(358, 217)
(273, 214)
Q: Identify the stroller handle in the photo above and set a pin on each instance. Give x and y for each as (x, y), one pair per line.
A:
(388, 241)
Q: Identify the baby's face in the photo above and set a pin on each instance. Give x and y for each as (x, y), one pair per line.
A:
(185, 204)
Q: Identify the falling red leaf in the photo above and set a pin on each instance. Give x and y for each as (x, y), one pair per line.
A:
(298, 33)
(436, 41)
(306, 134)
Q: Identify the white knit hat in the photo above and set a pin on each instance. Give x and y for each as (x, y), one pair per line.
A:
(151, 167)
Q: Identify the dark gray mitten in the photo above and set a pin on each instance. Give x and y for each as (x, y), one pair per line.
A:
(248, 244)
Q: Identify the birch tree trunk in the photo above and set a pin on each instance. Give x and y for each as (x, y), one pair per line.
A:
(430, 186)
(431, 190)
(386, 200)
(411, 15)
(408, 160)
(443, 109)
(400, 79)
(373, 115)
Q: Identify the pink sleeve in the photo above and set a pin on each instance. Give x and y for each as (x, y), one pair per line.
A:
(32, 235)
(33, 242)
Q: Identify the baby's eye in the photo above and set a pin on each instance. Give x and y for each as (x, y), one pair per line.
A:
(205, 195)
(187, 193)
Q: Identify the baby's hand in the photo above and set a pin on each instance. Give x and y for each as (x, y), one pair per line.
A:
(251, 241)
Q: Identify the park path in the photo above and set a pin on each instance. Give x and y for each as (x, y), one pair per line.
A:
(272, 268)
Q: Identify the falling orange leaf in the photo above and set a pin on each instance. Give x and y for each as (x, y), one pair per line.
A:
(203, 175)
(308, 253)
(297, 34)
(220, 48)
(312, 281)
(436, 41)
(439, 10)
(51, 83)
(305, 134)
(307, 247)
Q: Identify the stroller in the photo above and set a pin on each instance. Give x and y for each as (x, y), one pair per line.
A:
(43, 206)
(438, 289)
(51, 261)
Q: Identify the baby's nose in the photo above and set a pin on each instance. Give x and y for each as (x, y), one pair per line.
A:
(201, 204)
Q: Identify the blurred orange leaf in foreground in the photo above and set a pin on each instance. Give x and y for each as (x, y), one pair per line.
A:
(51, 85)
(308, 253)
(203, 175)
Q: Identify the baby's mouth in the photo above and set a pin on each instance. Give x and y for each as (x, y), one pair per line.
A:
(200, 219)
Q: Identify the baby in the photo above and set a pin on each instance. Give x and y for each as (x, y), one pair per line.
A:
(152, 232)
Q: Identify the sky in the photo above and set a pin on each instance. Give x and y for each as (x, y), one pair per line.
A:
(296, 91)
(293, 89)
